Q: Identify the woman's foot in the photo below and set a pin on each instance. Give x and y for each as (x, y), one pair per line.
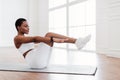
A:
(81, 42)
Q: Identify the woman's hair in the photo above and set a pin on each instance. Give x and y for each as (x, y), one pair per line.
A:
(19, 22)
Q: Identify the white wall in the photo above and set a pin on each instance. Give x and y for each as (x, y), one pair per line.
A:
(38, 17)
(33, 16)
(35, 11)
(0, 21)
(108, 27)
(43, 17)
(10, 11)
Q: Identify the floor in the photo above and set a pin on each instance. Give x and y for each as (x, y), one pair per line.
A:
(108, 67)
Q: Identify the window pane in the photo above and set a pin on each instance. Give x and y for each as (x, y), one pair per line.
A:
(57, 18)
(54, 3)
(77, 31)
(77, 14)
(82, 21)
(57, 23)
(90, 12)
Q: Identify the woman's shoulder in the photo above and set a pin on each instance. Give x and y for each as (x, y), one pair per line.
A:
(17, 37)
(24, 39)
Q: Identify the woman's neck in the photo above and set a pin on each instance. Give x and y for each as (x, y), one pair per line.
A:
(20, 33)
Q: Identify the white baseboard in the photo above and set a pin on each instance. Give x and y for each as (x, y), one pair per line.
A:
(109, 52)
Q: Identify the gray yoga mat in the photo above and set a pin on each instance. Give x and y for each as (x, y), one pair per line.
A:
(54, 69)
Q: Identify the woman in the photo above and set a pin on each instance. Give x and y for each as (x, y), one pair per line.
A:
(37, 57)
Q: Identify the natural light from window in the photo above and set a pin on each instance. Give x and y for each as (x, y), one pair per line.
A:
(75, 18)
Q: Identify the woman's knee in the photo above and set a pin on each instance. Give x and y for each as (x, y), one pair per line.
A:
(49, 34)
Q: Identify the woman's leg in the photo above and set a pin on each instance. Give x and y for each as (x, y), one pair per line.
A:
(80, 42)
(66, 39)
(47, 40)
(39, 57)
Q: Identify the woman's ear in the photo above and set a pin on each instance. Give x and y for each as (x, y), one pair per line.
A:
(18, 28)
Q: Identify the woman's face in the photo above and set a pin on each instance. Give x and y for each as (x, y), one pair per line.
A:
(24, 28)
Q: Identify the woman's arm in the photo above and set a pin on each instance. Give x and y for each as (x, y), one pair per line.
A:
(36, 39)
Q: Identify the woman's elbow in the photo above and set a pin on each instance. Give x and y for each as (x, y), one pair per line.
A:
(37, 39)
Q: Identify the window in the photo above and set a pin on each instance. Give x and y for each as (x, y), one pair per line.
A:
(55, 3)
(74, 18)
